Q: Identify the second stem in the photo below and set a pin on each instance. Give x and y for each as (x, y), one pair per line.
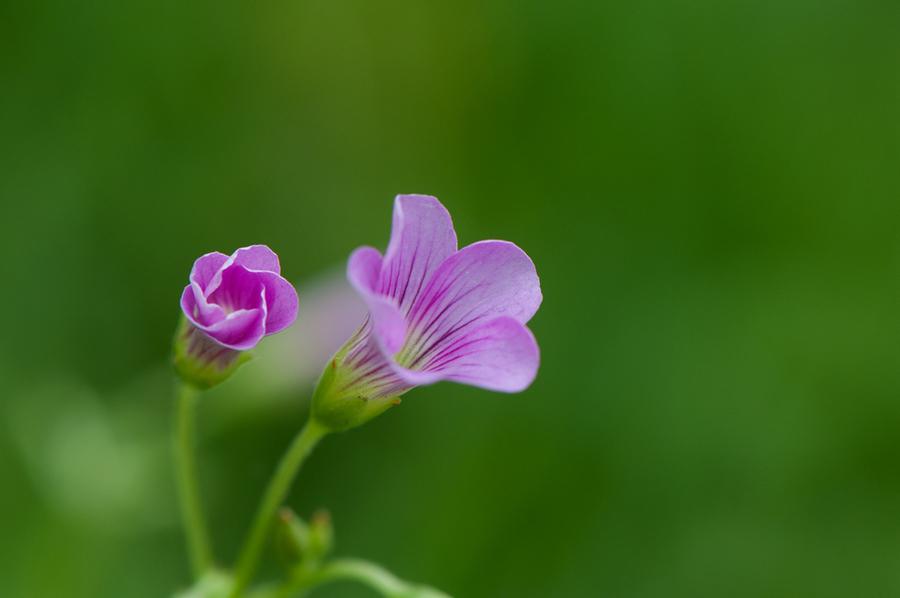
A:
(277, 490)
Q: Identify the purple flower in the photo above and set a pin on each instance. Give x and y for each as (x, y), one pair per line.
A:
(229, 305)
(435, 313)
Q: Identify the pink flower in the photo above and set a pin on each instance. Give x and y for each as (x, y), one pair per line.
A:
(435, 313)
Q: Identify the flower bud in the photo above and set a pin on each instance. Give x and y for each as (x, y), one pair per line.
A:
(302, 543)
(321, 534)
(292, 536)
(231, 303)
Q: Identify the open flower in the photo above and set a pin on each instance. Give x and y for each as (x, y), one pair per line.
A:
(435, 313)
(231, 303)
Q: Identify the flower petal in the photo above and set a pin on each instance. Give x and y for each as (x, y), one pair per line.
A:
(500, 355)
(197, 309)
(281, 301)
(257, 257)
(240, 330)
(422, 237)
(388, 323)
(240, 289)
(206, 267)
(364, 270)
(479, 283)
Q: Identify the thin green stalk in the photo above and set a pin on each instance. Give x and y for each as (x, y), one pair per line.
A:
(376, 577)
(188, 493)
(280, 483)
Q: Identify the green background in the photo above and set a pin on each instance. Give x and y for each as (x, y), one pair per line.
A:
(710, 191)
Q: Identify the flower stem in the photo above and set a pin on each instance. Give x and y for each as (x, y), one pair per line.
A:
(279, 485)
(186, 473)
(374, 576)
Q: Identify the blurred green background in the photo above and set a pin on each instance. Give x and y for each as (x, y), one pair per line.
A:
(710, 191)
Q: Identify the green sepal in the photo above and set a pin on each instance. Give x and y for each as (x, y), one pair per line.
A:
(340, 409)
(200, 361)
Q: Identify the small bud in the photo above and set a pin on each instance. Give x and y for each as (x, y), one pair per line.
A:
(303, 543)
(292, 536)
(321, 535)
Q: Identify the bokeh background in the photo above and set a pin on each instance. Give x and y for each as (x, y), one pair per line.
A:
(710, 190)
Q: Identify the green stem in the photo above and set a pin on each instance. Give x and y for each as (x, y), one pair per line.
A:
(188, 494)
(376, 577)
(275, 494)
